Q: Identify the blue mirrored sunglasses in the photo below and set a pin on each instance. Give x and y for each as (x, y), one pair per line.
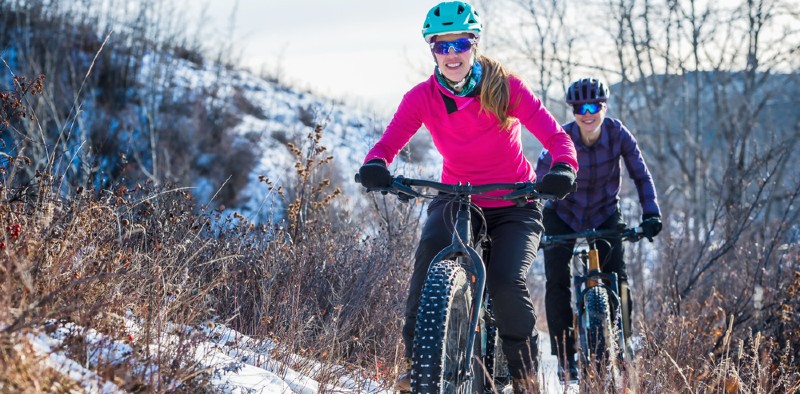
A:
(459, 45)
(583, 109)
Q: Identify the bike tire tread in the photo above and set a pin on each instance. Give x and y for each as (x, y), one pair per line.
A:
(443, 302)
(599, 335)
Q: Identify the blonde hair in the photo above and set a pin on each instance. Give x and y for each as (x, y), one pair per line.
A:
(495, 95)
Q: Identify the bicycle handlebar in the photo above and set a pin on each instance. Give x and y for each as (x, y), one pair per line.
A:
(402, 187)
(632, 234)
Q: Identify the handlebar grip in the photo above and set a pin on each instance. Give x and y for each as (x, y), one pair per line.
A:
(358, 178)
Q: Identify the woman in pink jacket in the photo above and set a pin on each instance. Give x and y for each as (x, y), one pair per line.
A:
(474, 109)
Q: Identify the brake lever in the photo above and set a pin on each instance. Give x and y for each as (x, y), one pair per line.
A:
(521, 192)
(526, 191)
(636, 234)
(383, 190)
(403, 191)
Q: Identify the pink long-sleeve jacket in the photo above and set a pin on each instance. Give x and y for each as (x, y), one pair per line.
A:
(473, 146)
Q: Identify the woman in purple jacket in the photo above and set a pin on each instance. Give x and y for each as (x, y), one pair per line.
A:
(474, 110)
(600, 143)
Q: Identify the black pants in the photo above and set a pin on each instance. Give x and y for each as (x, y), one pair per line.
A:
(558, 289)
(514, 234)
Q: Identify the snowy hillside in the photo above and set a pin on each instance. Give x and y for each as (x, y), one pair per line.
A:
(279, 115)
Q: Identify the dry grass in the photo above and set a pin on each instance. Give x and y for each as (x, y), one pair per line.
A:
(25, 371)
(76, 259)
(322, 290)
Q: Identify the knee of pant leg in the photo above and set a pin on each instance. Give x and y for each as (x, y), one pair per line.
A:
(499, 280)
(512, 307)
(514, 313)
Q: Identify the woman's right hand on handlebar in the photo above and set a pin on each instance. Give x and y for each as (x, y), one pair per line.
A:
(375, 174)
(651, 226)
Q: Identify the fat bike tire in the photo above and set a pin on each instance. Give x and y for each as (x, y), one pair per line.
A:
(441, 332)
(600, 338)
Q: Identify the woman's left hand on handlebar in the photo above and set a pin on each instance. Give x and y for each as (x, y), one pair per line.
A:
(375, 174)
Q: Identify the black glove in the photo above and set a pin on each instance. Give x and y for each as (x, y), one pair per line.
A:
(375, 174)
(651, 225)
(559, 181)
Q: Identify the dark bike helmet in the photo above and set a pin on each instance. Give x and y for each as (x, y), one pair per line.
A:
(587, 90)
(451, 17)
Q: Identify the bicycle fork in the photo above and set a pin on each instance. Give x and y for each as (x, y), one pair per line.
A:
(478, 279)
(460, 250)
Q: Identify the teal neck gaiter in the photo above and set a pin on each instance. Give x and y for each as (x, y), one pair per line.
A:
(469, 82)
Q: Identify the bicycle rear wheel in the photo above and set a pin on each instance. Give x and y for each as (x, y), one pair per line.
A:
(441, 332)
(599, 336)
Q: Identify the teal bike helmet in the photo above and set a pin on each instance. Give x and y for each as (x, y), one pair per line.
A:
(451, 17)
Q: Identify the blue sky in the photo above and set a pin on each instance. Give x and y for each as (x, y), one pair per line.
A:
(366, 51)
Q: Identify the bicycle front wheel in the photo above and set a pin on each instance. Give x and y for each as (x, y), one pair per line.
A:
(442, 330)
(597, 325)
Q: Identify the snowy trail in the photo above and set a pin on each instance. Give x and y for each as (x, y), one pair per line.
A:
(237, 363)
(549, 370)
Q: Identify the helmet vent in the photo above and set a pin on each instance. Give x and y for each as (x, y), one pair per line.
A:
(447, 23)
(436, 12)
(460, 9)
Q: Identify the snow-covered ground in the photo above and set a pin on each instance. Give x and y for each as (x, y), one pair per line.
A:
(239, 364)
(549, 369)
